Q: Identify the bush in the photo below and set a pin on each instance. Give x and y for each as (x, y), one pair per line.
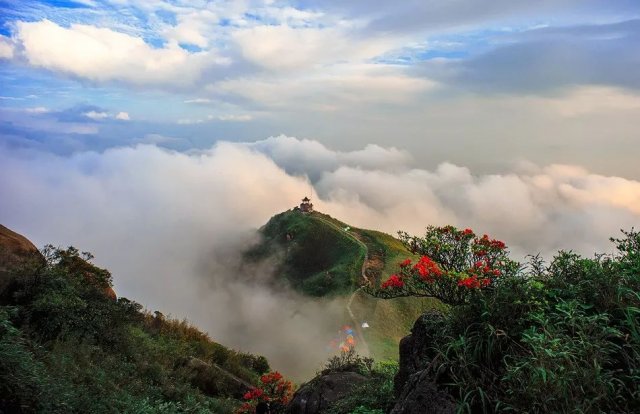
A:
(67, 346)
(374, 396)
(557, 338)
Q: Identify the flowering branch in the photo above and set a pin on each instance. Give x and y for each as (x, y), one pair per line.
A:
(453, 265)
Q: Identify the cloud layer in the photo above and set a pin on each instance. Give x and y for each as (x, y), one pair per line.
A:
(101, 54)
(170, 225)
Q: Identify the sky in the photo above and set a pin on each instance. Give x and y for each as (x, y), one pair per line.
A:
(159, 135)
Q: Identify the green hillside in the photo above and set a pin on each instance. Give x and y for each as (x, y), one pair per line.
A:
(314, 253)
(322, 256)
(67, 345)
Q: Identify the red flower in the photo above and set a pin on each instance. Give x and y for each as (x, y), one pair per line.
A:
(405, 263)
(393, 282)
(467, 232)
(497, 244)
(470, 282)
(253, 394)
(271, 377)
(427, 269)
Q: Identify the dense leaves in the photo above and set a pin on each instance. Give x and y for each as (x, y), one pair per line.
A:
(67, 346)
(562, 337)
(274, 391)
(453, 264)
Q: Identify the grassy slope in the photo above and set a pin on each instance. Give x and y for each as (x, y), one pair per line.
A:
(66, 347)
(341, 254)
(316, 258)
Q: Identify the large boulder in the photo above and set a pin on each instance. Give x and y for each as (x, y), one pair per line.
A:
(415, 384)
(421, 395)
(323, 391)
(19, 258)
(17, 255)
(415, 348)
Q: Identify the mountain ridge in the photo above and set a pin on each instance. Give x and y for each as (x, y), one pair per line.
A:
(350, 257)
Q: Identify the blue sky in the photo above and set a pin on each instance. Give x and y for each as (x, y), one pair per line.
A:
(343, 73)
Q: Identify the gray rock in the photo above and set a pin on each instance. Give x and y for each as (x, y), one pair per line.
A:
(323, 391)
(421, 396)
(415, 352)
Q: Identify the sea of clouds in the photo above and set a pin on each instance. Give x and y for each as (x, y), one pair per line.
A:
(171, 225)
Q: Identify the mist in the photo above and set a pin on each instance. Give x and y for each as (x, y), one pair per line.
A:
(171, 226)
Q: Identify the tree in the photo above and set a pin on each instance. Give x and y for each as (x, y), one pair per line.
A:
(453, 264)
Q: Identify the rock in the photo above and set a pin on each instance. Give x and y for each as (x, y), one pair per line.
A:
(17, 253)
(421, 396)
(415, 353)
(414, 385)
(21, 258)
(323, 391)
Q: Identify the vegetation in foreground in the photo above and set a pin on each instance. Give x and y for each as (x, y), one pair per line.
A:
(562, 337)
(67, 347)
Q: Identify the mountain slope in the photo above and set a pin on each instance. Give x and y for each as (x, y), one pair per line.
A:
(312, 252)
(321, 256)
(67, 345)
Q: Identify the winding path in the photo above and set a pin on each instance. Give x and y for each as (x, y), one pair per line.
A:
(363, 273)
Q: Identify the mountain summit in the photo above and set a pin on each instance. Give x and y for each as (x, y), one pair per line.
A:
(321, 256)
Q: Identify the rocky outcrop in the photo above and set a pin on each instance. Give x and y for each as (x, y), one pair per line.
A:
(421, 395)
(323, 391)
(21, 258)
(17, 254)
(414, 385)
(415, 348)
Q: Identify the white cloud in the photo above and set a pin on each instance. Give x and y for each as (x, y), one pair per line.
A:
(101, 54)
(188, 121)
(198, 101)
(286, 48)
(37, 110)
(232, 117)
(591, 99)
(193, 28)
(334, 88)
(304, 156)
(123, 116)
(224, 117)
(158, 218)
(96, 116)
(6, 48)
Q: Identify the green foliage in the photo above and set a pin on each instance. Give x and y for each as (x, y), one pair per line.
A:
(375, 395)
(317, 257)
(348, 361)
(454, 266)
(562, 337)
(286, 239)
(67, 346)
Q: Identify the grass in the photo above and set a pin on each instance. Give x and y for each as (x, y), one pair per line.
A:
(67, 347)
(317, 257)
(320, 258)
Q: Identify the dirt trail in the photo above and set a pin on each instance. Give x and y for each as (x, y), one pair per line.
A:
(363, 272)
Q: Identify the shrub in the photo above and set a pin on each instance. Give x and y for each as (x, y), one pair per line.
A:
(65, 346)
(454, 265)
(537, 338)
